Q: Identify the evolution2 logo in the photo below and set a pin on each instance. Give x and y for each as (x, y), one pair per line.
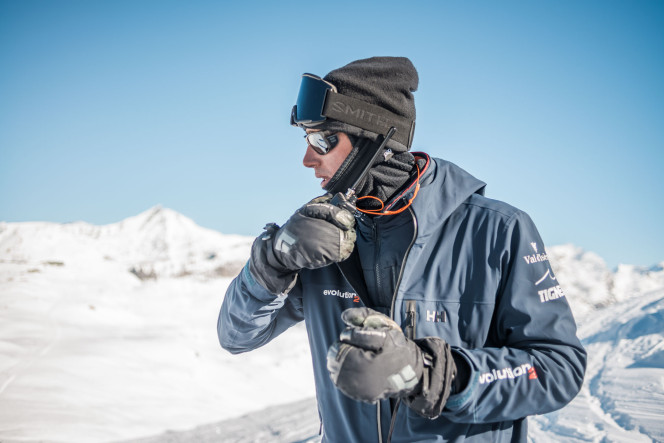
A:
(537, 257)
(508, 373)
(342, 294)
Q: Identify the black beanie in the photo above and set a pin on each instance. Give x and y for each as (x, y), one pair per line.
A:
(388, 82)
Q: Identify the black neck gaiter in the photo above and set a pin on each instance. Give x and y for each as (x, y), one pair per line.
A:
(385, 178)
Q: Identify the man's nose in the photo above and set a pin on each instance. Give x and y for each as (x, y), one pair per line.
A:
(310, 159)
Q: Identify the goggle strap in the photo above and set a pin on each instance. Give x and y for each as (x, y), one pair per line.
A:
(369, 117)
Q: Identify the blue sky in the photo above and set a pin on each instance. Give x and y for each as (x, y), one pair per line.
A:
(111, 107)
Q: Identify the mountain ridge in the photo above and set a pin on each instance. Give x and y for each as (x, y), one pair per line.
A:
(163, 243)
(156, 243)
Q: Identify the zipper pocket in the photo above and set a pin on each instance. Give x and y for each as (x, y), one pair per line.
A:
(411, 319)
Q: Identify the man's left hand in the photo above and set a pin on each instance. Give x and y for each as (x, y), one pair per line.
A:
(373, 359)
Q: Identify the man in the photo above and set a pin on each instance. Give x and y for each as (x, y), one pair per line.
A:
(432, 311)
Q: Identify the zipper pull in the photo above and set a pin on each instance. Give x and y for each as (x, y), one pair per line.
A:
(411, 318)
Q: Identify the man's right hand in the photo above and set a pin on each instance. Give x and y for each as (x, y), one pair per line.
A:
(316, 235)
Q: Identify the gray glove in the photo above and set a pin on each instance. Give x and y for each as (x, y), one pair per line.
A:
(316, 235)
(373, 359)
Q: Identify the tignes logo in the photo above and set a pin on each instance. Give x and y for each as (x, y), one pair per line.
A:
(342, 294)
(548, 274)
(508, 373)
(552, 293)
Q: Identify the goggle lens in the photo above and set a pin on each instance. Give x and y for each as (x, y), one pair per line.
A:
(308, 110)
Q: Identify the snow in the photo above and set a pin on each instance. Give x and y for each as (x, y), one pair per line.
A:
(108, 334)
(91, 352)
(623, 395)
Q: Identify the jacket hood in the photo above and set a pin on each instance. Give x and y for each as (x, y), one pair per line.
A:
(442, 178)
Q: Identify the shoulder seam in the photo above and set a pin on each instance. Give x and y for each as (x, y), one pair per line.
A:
(510, 216)
(505, 213)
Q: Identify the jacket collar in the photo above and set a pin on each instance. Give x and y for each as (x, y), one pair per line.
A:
(444, 187)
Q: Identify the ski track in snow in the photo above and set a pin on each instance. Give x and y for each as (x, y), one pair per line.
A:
(621, 410)
(22, 365)
(16, 370)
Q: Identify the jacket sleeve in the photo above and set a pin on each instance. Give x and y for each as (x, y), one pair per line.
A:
(251, 316)
(534, 363)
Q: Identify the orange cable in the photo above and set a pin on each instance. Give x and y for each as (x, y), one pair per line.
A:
(382, 204)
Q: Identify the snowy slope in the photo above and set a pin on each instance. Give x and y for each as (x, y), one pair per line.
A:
(622, 399)
(620, 315)
(108, 333)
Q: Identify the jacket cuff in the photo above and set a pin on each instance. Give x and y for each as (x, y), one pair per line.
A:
(439, 371)
(457, 400)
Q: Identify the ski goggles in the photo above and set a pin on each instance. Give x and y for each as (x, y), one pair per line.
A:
(308, 110)
(322, 142)
(319, 100)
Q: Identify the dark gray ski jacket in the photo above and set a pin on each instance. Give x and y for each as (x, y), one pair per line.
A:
(475, 274)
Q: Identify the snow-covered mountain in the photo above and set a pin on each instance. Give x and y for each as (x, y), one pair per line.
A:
(590, 284)
(156, 243)
(108, 333)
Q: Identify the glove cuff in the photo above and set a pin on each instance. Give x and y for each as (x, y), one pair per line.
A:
(462, 376)
(266, 269)
(438, 374)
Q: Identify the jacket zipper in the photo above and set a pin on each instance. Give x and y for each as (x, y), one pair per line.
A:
(376, 239)
(380, 430)
(403, 262)
(376, 258)
(411, 321)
